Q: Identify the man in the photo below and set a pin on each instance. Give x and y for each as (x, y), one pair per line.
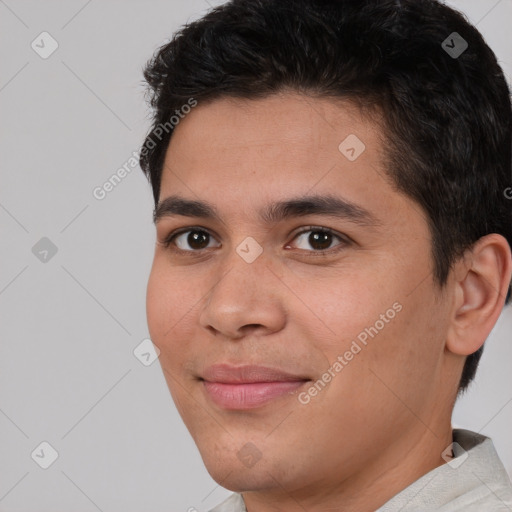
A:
(334, 223)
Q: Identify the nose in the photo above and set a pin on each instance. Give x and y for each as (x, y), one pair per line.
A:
(247, 300)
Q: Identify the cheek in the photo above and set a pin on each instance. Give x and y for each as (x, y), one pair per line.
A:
(341, 302)
(157, 303)
(370, 311)
(166, 303)
(166, 312)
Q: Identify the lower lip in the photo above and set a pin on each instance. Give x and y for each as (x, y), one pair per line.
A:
(249, 395)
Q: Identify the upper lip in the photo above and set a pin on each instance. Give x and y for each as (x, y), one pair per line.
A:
(246, 374)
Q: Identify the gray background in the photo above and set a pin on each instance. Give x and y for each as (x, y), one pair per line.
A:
(69, 326)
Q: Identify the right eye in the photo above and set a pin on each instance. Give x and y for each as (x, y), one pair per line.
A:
(196, 239)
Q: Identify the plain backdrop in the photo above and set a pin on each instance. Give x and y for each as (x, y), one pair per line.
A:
(74, 268)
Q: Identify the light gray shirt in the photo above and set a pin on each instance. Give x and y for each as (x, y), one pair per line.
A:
(473, 481)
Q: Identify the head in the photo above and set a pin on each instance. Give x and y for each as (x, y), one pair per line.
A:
(351, 116)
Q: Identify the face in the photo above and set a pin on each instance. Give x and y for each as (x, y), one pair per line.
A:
(300, 330)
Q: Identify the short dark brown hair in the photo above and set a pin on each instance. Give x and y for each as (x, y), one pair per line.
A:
(447, 117)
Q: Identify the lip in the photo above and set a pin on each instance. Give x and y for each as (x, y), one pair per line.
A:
(248, 386)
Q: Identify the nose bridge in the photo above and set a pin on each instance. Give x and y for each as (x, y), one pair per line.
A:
(244, 269)
(246, 294)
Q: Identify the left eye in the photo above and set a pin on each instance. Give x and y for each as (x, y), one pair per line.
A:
(320, 239)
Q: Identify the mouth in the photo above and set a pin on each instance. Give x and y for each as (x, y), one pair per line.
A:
(249, 386)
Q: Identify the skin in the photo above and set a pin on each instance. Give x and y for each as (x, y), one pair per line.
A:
(384, 419)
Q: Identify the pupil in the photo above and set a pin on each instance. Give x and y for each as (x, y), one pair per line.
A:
(196, 239)
(321, 239)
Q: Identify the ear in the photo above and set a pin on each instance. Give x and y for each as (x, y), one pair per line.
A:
(482, 278)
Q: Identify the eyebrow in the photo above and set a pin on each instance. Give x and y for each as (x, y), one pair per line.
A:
(326, 205)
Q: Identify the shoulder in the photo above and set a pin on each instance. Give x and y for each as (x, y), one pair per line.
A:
(234, 503)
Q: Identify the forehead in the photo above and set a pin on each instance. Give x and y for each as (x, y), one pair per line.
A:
(235, 152)
(272, 124)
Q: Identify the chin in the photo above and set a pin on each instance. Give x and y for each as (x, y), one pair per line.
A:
(237, 469)
(237, 478)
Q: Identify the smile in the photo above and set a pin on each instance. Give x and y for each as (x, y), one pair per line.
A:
(248, 387)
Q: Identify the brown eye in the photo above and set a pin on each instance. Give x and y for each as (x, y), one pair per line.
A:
(320, 240)
(317, 240)
(191, 240)
(197, 239)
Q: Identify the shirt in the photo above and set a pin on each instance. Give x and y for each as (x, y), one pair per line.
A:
(474, 480)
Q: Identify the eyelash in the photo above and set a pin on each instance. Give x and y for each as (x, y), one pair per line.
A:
(168, 240)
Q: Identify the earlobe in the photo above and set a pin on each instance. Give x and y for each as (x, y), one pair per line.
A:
(481, 281)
